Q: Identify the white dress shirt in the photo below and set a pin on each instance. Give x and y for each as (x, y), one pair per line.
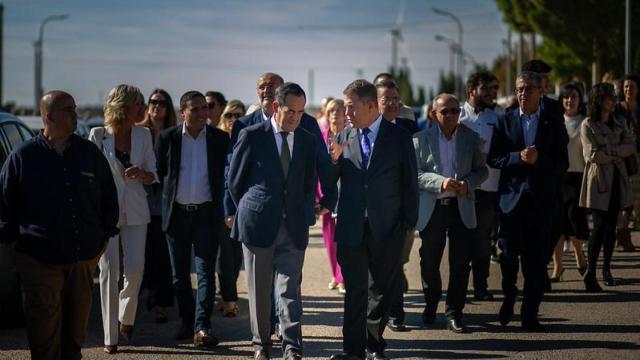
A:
(574, 147)
(193, 179)
(447, 149)
(276, 132)
(483, 123)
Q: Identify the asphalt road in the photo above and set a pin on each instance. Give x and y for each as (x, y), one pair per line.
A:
(580, 325)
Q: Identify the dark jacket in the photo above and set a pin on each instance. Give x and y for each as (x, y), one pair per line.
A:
(168, 153)
(60, 209)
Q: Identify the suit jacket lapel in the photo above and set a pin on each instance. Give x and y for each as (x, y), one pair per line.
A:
(273, 147)
(516, 126)
(296, 155)
(434, 144)
(461, 149)
(109, 151)
(176, 150)
(354, 148)
(379, 142)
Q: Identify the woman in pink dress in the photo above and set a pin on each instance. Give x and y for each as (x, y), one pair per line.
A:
(336, 118)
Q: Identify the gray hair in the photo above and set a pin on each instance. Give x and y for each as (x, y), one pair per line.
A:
(530, 76)
(444, 96)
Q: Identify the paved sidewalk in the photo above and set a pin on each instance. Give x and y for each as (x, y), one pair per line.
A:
(581, 325)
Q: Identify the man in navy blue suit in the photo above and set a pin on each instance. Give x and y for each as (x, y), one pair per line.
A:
(529, 146)
(376, 165)
(272, 172)
(266, 86)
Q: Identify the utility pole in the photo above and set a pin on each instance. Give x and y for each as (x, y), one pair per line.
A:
(627, 38)
(508, 82)
(37, 47)
(395, 37)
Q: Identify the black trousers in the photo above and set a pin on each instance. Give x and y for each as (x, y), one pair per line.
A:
(488, 219)
(157, 266)
(522, 238)
(444, 221)
(228, 264)
(371, 271)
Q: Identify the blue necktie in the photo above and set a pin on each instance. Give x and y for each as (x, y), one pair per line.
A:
(365, 146)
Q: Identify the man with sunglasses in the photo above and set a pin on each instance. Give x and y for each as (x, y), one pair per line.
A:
(216, 102)
(451, 166)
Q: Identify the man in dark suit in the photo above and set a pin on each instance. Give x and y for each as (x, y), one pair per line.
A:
(389, 106)
(191, 160)
(267, 84)
(530, 148)
(272, 172)
(376, 165)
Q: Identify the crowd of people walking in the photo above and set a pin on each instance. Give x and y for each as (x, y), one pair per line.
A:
(149, 193)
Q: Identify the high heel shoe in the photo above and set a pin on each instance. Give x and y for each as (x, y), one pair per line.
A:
(558, 278)
(608, 279)
(582, 270)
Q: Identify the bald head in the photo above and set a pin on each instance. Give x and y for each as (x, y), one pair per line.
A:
(51, 99)
(59, 116)
(267, 85)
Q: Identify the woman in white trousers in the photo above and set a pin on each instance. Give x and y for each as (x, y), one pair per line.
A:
(129, 151)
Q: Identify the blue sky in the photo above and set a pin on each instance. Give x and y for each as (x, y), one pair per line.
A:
(225, 45)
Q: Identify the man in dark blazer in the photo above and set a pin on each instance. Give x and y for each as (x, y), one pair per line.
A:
(267, 84)
(376, 165)
(191, 160)
(389, 106)
(529, 146)
(272, 172)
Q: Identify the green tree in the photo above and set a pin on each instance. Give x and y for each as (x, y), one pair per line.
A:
(591, 31)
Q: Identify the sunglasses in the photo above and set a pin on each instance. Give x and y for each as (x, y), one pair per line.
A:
(211, 105)
(161, 103)
(447, 112)
(232, 115)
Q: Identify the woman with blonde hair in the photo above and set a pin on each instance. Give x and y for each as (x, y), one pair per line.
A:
(129, 151)
(232, 112)
(157, 279)
(336, 120)
(229, 251)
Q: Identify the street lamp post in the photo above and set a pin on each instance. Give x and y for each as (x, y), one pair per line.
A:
(37, 46)
(461, 54)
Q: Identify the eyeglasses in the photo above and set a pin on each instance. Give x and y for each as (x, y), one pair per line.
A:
(450, 112)
(212, 104)
(526, 89)
(161, 103)
(389, 100)
(232, 115)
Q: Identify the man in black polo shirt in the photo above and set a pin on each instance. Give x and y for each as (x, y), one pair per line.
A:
(58, 203)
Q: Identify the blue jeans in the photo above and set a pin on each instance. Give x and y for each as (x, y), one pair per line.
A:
(187, 229)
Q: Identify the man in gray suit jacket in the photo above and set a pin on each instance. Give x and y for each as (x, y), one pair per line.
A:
(450, 167)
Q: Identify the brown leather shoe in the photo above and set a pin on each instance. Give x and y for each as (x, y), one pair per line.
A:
(262, 355)
(203, 339)
(126, 333)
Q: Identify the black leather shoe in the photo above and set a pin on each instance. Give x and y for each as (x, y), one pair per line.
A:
(455, 325)
(184, 332)
(376, 355)
(261, 355)
(590, 283)
(397, 325)
(482, 295)
(608, 279)
(533, 325)
(345, 356)
(293, 355)
(428, 317)
(506, 311)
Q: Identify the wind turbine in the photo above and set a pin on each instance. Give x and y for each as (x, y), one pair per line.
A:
(396, 36)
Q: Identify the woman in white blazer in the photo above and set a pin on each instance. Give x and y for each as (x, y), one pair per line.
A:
(129, 151)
